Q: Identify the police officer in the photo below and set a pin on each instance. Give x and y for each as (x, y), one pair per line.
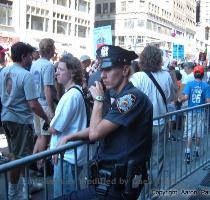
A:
(125, 132)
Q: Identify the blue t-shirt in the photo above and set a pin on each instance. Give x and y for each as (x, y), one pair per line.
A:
(197, 91)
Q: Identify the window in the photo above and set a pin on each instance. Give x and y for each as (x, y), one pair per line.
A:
(105, 8)
(3, 14)
(106, 23)
(140, 39)
(112, 7)
(37, 23)
(129, 24)
(98, 8)
(46, 24)
(121, 40)
(62, 2)
(82, 31)
(140, 23)
(123, 6)
(61, 27)
(27, 21)
(149, 25)
(69, 33)
(76, 4)
(82, 6)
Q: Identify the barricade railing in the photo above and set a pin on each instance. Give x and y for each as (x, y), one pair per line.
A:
(26, 161)
(169, 164)
(169, 157)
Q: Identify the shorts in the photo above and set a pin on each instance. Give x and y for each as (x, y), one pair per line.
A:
(20, 138)
(39, 122)
(171, 108)
(194, 125)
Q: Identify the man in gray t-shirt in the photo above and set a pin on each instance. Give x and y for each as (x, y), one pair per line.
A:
(18, 101)
(44, 75)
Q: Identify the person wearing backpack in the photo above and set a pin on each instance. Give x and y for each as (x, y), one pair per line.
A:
(70, 117)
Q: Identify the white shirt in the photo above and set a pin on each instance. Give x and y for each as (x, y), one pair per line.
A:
(187, 78)
(70, 117)
(141, 81)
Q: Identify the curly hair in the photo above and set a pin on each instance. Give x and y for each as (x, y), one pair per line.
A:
(150, 59)
(73, 64)
(20, 49)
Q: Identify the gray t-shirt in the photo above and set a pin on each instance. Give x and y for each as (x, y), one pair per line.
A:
(44, 74)
(16, 88)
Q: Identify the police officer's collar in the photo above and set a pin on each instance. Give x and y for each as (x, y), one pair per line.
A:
(125, 88)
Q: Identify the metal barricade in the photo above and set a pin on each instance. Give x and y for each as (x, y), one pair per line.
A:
(172, 133)
(26, 161)
(168, 164)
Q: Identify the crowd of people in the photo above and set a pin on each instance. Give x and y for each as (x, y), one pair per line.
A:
(43, 106)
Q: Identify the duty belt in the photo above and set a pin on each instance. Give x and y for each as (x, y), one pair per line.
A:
(126, 177)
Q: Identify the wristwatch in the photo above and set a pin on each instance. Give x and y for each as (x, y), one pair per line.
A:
(45, 126)
(99, 98)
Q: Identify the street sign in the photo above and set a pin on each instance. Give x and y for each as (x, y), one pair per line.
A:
(178, 51)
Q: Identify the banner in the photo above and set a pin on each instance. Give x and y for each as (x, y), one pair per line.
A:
(178, 51)
(102, 35)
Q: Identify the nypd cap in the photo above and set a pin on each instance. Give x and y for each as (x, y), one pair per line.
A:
(110, 56)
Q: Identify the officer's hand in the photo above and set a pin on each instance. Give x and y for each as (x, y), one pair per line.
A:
(96, 90)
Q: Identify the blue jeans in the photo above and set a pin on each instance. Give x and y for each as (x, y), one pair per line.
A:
(68, 181)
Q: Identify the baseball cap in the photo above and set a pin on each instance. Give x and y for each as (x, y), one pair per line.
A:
(198, 69)
(84, 57)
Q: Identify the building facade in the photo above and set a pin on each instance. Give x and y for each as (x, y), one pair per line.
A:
(136, 23)
(203, 26)
(69, 22)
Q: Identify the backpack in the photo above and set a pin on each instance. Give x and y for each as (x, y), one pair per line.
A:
(88, 104)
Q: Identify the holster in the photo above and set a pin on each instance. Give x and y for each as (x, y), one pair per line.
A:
(135, 179)
(128, 178)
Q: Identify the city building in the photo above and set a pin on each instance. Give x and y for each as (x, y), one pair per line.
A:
(165, 23)
(69, 22)
(203, 25)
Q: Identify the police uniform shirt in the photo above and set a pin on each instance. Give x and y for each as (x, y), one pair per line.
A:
(132, 110)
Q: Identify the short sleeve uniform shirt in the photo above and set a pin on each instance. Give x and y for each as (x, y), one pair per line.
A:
(132, 111)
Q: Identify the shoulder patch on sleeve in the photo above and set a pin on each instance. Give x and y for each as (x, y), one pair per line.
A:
(125, 103)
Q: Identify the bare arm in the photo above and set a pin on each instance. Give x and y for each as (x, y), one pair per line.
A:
(49, 97)
(183, 98)
(81, 135)
(208, 100)
(37, 109)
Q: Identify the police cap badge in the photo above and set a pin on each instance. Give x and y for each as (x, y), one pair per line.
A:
(110, 55)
